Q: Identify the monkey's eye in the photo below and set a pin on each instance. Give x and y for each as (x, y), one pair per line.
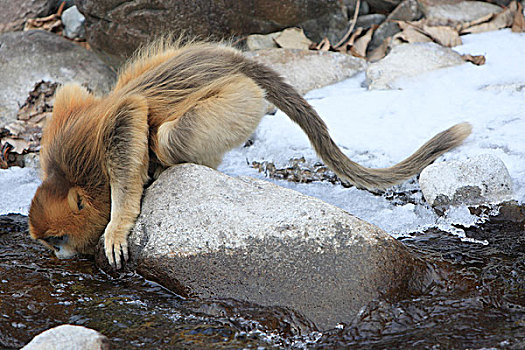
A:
(56, 241)
(80, 205)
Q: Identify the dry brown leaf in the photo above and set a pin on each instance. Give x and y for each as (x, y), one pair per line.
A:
(324, 45)
(411, 34)
(497, 21)
(19, 145)
(443, 35)
(518, 25)
(463, 26)
(361, 44)
(293, 38)
(478, 60)
(51, 23)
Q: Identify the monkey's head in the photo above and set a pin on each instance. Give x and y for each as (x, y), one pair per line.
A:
(67, 219)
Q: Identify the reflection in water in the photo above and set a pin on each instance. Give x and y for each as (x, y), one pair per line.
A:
(478, 300)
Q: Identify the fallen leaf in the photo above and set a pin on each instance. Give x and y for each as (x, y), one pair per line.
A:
(361, 44)
(498, 21)
(478, 60)
(293, 38)
(410, 34)
(518, 24)
(51, 23)
(19, 145)
(324, 45)
(443, 35)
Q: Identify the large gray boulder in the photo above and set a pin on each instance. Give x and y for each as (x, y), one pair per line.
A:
(204, 234)
(409, 60)
(306, 70)
(115, 28)
(27, 58)
(69, 337)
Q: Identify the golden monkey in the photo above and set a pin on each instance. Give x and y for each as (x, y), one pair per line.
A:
(171, 104)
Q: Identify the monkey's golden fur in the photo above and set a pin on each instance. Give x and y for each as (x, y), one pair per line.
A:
(171, 104)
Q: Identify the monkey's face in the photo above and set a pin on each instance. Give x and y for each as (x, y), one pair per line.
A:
(66, 220)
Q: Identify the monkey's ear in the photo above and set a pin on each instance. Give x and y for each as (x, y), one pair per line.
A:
(75, 199)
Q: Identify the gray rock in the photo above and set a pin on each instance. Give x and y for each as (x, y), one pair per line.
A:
(439, 13)
(480, 180)
(74, 23)
(204, 234)
(368, 21)
(386, 30)
(14, 14)
(408, 10)
(350, 5)
(307, 70)
(383, 6)
(260, 41)
(408, 60)
(115, 28)
(27, 58)
(68, 337)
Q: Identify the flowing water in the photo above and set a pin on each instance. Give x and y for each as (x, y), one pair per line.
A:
(476, 301)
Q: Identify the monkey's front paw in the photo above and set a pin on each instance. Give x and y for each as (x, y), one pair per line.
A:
(116, 250)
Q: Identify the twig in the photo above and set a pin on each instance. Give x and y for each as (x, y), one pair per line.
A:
(352, 25)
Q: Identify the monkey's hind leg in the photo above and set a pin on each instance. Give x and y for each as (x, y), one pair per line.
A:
(213, 126)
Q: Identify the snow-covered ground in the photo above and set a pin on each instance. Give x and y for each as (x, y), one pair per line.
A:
(380, 128)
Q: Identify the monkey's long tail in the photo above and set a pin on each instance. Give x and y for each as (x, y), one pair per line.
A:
(286, 98)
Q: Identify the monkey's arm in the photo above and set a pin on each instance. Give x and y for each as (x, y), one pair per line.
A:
(126, 140)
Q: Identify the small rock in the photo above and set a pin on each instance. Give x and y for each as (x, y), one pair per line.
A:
(293, 38)
(480, 180)
(260, 41)
(408, 10)
(69, 337)
(408, 60)
(385, 30)
(453, 13)
(73, 23)
(383, 6)
(204, 234)
(367, 21)
(307, 70)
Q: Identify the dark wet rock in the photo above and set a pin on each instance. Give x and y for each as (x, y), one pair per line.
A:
(307, 70)
(13, 14)
(204, 234)
(481, 180)
(115, 28)
(408, 10)
(383, 6)
(67, 337)
(28, 58)
(368, 21)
